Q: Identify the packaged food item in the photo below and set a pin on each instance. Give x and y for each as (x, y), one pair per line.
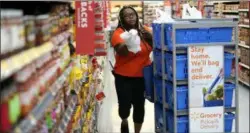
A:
(6, 44)
(43, 26)
(12, 30)
(10, 106)
(30, 31)
(25, 91)
(55, 25)
(17, 28)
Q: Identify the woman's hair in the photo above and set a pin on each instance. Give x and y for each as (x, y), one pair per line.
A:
(142, 32)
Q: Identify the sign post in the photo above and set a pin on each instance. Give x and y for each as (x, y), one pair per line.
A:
(206, 88)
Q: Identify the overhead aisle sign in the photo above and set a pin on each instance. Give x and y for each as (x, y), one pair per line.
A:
(85, 30)
(206, 88)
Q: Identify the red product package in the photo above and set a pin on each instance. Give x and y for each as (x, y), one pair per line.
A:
(98, 15)
(102, 53)
(4, 119)
(99, 37)
(99, 46)
(100, 96)
(98, 29)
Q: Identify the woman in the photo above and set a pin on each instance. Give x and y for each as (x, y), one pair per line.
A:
(128, 70)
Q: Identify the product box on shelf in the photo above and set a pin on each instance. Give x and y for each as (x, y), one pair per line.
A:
(244, 56)
(244, 75)
(244, 34)
(244, 5)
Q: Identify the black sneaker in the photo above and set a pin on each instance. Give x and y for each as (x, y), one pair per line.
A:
(124, 127)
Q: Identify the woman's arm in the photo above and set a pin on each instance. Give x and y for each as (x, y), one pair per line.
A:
(121, 49)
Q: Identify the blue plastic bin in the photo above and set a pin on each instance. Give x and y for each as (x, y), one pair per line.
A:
(182, 96)
(159, 115)
(228, 120)
(228, 92)
(149, 82)
(228, 62)
(157, 35)
(229, 89)
(158, 87)
(213, 103)
(221, 34)
(197, 35)
(182, 123)
(181, 66)
(158, 62)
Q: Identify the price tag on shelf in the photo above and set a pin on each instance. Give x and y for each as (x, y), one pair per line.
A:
(78, 75)
(4, 65)
(33, 120)
(83, 61)
(18, 130)
(65, 120)
(61, 129)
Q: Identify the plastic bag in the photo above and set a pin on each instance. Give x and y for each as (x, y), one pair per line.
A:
(132, 40)
(189, 12)
(162, 17)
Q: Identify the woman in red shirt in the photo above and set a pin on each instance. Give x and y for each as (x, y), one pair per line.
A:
(128, 70)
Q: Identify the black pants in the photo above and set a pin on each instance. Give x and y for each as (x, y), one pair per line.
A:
(130, 91)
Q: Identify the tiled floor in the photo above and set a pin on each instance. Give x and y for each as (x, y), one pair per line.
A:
(109, 120)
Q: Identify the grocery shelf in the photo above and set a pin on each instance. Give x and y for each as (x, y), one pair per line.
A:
(37, 112)
(13, 64)
(244, 65)
(243, 45)
(244, 25)
(230, 11)
(243, 10)
(67, 115)
(243, 82)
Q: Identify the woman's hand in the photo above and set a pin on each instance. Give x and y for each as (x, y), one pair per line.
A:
(121, 49)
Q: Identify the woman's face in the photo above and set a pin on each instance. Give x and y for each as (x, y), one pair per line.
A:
(129, 17)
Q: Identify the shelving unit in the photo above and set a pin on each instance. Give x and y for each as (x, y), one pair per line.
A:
(117, 5)
(226, 9)
(244, 43)
(161, 93)
(149, 13)
(244, 65)
(52, 88)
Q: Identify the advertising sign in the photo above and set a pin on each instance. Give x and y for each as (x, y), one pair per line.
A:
(206, 88)
(85, 29)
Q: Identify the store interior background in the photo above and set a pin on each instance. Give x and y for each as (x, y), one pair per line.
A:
(107, 118)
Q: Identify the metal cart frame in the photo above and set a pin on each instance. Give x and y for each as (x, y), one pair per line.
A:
(194, 23)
